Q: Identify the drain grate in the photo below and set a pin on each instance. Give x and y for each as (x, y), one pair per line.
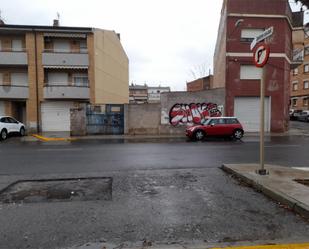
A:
(303, 181)
(53, 190)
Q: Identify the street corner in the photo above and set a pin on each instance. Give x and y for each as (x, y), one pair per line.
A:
(286, 185)
(276, 246)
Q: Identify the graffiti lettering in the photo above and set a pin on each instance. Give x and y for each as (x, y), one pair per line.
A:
(193, 113)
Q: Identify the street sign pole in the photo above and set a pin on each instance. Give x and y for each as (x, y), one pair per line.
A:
(260, 57)
(262, 170)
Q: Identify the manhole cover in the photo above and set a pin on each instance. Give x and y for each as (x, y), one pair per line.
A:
(303, 181)
(52, 190)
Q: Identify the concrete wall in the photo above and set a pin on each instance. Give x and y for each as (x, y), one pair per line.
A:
(78, 121)
(154, 118)
(142, 119)
(168, 100)
(111, 69)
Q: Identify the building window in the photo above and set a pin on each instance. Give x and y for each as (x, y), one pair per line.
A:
(247, 35)
(17, 45)
(305, 101)
(306, 68)
(306, 84)
(295, 86)
(294, 102)
(83, 46)
(250, 72)
(295, 71)
(80, 79)
(62, 46)
(307, 50)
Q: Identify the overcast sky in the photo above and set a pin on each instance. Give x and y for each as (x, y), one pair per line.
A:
(165, 40)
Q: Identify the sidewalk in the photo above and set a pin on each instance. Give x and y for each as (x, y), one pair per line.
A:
(288, 186)
(65, 136)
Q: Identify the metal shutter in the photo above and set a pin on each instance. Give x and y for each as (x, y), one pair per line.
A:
(247, 110)
(2, 109)
(56, 116)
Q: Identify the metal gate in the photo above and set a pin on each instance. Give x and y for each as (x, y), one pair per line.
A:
(105, 119)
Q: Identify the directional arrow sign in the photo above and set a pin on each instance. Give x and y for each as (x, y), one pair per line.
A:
(268, 32)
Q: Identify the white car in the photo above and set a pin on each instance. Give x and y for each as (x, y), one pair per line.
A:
(10, 125)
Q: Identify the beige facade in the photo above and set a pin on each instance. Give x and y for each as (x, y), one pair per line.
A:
(59, 64)
(110, 69)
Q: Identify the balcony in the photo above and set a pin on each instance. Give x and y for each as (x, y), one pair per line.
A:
(14, 92)
(13, 58)
(65, 91)
(298, 58)
(65, 59)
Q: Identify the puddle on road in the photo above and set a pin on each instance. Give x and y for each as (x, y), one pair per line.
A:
(55, 190)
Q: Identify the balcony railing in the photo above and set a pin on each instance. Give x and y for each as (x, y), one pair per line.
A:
(66, 51)
(66, 91)
(14, 91)
(65, 59)
(13, 57)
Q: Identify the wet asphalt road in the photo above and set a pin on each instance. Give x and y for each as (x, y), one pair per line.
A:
(103, 156)
(166, 192)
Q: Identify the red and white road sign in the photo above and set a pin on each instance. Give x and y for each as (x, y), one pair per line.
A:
(261, 55)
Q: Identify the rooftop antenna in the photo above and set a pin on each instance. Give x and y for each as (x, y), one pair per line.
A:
(56, 21)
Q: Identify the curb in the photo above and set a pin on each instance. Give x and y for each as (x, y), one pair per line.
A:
(276, 195)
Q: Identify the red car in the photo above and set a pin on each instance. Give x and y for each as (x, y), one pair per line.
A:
(216, 126)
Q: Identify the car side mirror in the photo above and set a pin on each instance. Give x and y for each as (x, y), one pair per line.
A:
(212, 124)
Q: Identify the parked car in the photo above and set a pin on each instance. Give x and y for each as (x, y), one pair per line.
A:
(10, 125)
(216, 126)
(303, 116)
(294, 114)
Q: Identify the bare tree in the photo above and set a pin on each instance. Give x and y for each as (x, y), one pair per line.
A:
(199, 71)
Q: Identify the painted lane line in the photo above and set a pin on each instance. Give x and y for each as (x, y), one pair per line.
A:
(302, 168)
(59, 149)
(282, 146)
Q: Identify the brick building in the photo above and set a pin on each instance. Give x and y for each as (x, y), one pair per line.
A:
(46, 70)
(300, 75)
(233, 65)
(201, 84)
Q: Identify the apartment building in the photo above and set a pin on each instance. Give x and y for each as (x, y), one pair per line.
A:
(141, 94)
(201, 84)
(154, 93)
(138, 94)
(234, 68)
(299, 87)
(47, 70)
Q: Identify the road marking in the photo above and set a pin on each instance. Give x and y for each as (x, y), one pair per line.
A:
(282, 146)
(282, 246)
(302, 168)
(59, 149)
(52, 139)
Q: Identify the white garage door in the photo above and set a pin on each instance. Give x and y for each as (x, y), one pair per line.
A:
(247, 110)
(2, 110)
(56, 116)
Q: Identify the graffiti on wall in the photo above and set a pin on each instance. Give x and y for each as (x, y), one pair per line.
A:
(193, 113)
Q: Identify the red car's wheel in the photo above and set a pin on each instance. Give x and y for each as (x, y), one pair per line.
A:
(199, 135)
